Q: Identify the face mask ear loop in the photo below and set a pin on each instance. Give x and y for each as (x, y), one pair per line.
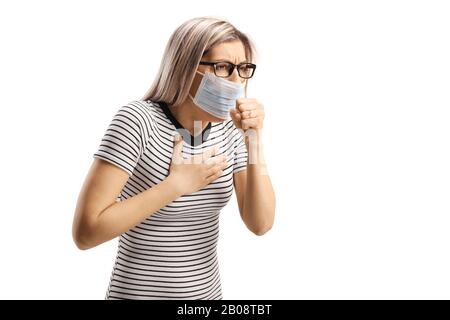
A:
(189, 94)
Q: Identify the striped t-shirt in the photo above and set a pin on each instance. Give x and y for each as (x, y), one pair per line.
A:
(172, 253)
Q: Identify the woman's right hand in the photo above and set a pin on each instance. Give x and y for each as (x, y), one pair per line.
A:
(194, 173)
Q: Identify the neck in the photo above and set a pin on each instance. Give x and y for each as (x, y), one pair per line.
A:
(189, 116)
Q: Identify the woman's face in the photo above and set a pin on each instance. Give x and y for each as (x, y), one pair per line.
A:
(233, 52)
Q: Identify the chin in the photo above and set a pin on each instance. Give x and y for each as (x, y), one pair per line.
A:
(209, 117)
(215, 119)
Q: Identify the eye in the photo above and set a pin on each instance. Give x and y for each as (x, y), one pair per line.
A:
(246, 66)
(222, 66)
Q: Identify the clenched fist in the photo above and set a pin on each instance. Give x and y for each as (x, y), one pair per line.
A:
(248, 114)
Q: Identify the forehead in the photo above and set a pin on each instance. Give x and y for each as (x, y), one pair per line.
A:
(232, 51)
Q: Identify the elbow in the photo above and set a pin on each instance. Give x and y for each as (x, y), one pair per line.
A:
(260, 231)
(259, 228)
(82, 236)
(263, 225)
(81, 243)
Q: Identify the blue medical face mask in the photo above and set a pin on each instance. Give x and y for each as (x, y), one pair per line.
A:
(216, 95)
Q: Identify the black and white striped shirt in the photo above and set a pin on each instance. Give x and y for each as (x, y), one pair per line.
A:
(172, 253)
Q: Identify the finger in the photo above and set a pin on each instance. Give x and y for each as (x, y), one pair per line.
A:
(244, 100)
(214, 176)
(233, 114)
(225, 165)
(252, 114)
(216, 159)
(206, 157)
(222, 165)
(250, 123)
(249, 106)
(177, 155)
(237, 116)
(212, 168)
(210, 152)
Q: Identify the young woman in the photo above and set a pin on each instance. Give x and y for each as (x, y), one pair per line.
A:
(168, 163)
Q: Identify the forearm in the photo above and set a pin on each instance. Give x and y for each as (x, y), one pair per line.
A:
(124, 215)
(259, 200)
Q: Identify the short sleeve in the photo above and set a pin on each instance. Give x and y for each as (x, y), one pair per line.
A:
(123, 141)
(240, 154)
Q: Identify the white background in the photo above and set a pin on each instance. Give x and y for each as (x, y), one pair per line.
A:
(356, 138)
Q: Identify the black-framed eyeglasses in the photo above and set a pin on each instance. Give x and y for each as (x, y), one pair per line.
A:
(224, 69)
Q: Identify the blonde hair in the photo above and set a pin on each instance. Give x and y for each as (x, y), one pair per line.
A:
(184, 50)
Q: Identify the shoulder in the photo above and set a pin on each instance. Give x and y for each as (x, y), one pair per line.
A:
(141, 112)
(141, 108)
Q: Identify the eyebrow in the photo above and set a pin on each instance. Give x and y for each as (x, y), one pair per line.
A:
(225, 60)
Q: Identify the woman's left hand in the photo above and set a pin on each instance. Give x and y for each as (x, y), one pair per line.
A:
(248, 114)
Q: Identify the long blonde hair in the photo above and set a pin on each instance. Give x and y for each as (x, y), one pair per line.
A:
(184, 50)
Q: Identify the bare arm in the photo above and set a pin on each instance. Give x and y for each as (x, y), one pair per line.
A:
(254, 191)
(99, 218)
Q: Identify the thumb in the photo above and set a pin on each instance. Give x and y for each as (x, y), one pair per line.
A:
(235, 116)
(177, 155)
